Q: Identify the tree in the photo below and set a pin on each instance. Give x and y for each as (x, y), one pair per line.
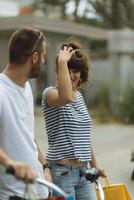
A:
(114, 14)
(45, 4)
(76, 16)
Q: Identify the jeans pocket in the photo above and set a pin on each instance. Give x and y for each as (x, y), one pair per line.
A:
(61, 171)
(65, 173)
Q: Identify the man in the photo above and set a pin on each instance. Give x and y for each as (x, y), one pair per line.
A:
(27, 50)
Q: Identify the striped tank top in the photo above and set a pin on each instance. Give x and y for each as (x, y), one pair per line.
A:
(68, 129)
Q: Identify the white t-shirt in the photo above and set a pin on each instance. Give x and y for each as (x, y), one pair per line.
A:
(17, 135)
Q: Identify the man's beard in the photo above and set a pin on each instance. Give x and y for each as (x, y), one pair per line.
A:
(35, 70)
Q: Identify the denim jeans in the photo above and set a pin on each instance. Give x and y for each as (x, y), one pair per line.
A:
(68, 178)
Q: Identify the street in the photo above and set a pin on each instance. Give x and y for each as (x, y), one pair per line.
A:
(112, 143)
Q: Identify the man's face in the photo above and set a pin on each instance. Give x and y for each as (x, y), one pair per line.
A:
(35, 68)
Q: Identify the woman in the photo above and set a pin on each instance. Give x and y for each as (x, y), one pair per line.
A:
(68, 123)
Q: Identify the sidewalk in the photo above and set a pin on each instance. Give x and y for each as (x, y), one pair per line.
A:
(113, 144)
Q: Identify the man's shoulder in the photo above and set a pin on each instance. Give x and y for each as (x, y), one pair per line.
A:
(28, 85)
(2, 94)
(2, 81)
(2, 89)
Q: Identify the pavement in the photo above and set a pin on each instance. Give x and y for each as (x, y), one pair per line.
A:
(112, 143)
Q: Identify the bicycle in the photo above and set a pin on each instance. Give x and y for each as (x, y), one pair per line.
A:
(57, 193)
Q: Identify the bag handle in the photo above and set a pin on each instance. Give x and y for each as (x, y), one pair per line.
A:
(106, 182)
(100, 190)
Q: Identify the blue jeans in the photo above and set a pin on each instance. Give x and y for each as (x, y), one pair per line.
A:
(68, 178)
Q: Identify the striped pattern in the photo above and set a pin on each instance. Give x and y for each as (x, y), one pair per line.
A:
(69, 130)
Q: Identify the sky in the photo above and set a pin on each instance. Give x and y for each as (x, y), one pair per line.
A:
(8, 8)
(11, 7)
(71, 7)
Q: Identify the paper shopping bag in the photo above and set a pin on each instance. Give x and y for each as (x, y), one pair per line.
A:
(114, 192)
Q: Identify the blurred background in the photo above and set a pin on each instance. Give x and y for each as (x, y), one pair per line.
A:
(105, 27)
(106, 30)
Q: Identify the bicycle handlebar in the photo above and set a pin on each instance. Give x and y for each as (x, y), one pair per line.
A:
(10, 170)
(56, 190)
(90, 174)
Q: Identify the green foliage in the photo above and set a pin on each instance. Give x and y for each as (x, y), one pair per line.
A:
(43, 5)
(111, 14)
(100, 105)
(126, 106)
(114, 14)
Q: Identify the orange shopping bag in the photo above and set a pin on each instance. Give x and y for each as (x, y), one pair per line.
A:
(114, 191)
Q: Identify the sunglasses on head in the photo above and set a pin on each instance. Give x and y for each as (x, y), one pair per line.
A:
(37, 41)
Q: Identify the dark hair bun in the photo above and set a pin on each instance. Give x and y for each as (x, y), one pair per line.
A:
(78, 54)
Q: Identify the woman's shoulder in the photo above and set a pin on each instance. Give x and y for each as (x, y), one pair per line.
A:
(47, 89)
(79, 94)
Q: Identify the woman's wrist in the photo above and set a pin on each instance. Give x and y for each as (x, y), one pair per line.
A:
(45, 166)
(62, 62)
(92, 164)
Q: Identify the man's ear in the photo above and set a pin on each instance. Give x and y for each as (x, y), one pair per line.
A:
(35, 57)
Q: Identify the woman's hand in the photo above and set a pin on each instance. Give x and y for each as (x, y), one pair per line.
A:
(65, 54)
(102, 172)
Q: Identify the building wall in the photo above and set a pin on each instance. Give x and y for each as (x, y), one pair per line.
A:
(115, 70)
(4, 37)
(100, 75)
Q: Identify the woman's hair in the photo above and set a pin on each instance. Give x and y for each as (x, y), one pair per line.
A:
(79, 60)
(23, 43)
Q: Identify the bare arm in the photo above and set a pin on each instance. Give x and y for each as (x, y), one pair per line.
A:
(93, 163)
(4, 159)
(64, 92)
(41, 157)
(43, 161)
(22, 171)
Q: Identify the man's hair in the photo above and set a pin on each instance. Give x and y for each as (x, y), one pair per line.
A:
(23, 43)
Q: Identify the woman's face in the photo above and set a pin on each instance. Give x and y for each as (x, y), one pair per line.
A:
(75, 78)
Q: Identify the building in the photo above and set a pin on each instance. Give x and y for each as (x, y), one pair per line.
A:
(56, 31)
